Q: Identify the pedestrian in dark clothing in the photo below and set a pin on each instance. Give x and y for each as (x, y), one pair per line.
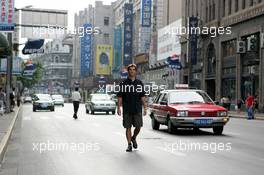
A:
(132, 97)
(239, 105)
(12, 96)
(76, 98)
(256, 104)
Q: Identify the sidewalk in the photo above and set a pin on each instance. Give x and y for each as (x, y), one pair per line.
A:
(236, 114)
(7, 122)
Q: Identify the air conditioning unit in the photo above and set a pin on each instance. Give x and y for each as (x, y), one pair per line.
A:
(241, 47)
(253, 69)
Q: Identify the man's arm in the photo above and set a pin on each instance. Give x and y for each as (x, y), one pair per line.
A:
(143, 100)
(119, 104)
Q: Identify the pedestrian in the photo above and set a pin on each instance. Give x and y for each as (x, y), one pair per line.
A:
(2, 101)
(239, 105)
(12, 97)
(256, 104)
(249, 104)
(76, 98)
(132, 97)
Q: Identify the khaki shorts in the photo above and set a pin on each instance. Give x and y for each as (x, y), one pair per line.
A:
(132, 119)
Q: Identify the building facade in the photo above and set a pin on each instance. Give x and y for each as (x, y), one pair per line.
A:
(231, 64)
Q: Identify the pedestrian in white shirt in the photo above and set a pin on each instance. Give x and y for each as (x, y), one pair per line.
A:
(76, 98)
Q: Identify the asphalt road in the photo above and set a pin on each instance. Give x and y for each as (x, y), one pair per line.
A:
(53, 143)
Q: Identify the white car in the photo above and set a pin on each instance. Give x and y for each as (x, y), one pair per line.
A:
(100, 103)
(58, 100)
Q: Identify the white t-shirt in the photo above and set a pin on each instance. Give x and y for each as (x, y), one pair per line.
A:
(76, 96)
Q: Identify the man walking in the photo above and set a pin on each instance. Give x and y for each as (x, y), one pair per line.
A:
(76, 98)
(131, 97)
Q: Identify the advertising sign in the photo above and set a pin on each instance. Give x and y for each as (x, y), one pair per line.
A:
(146, 13)
(104, 59)
(7, 15)
(86, 53)
(128, 34)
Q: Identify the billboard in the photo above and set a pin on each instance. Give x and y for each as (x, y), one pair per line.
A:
(128, 34)
(7, 15)
(17, 66)
(117, 63)
(146, 13)
(86, 53)
(169, 41)
(104, 59)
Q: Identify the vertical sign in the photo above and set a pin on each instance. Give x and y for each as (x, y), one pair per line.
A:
(86, 52)
(193, 24)
(104, 59)
(7, 15)
(146, 13)
(128, 34)
(117, 49)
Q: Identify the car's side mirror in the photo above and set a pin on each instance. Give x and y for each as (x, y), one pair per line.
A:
(163, 103)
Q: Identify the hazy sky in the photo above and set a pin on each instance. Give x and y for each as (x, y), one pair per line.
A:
(71, 5)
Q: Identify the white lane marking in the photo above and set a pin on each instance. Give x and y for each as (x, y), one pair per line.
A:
(176, 153)
(120, 134)
(96, 125)
(44, 117)
(26, 118)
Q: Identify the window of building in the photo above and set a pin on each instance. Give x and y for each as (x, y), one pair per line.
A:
(106, 21)
(243, 4)
(229, 7)
(229, 48)
(224, 2)
(236, 5)
(106, 38)
(251, 2)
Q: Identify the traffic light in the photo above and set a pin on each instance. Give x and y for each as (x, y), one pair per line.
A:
(241, 47)
(252, 44)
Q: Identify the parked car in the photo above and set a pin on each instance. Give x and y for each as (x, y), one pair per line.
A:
(100, 103)
(187, 109)
(43, 102)
(27, 99)
(58, 100)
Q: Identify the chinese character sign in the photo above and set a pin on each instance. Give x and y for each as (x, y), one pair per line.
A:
(7, 15)
(146, 13)
(117, 49)
(128, 34)
(86, 53)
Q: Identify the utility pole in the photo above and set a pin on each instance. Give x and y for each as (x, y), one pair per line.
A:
(9, 72)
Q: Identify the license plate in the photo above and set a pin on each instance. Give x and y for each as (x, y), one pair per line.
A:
(44, 105)
(203, 121)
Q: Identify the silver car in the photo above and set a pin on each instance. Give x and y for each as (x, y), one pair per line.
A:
(58, 100)
(100, 103)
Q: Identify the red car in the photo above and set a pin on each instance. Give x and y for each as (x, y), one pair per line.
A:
(187, 109)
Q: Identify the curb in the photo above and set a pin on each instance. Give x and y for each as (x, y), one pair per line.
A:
(243, 117)
(6, 138)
